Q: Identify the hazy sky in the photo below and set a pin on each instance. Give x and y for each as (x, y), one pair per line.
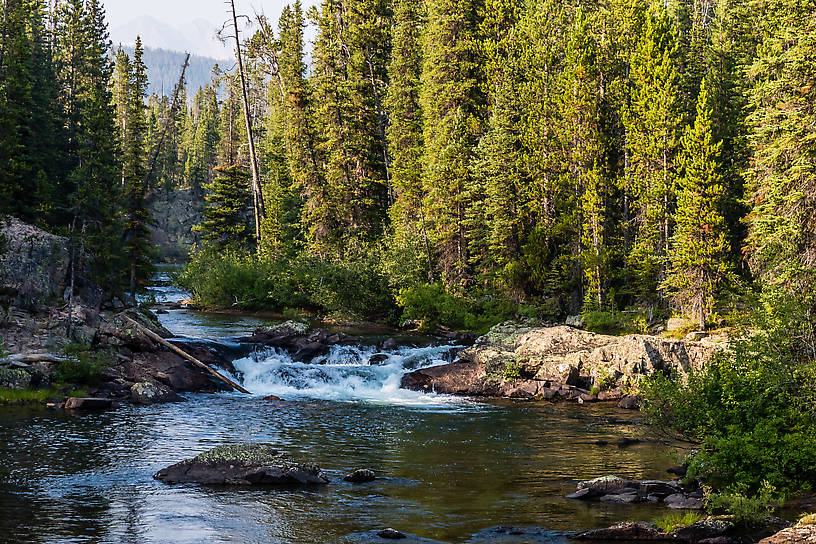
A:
(121, 12)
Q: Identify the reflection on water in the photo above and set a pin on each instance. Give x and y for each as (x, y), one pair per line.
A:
(448, 475)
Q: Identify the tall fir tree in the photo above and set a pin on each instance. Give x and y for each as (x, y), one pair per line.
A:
(700, 262)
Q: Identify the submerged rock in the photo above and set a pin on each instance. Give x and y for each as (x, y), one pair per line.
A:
(360, 475)
(88, 403)
(391, 534)
(242, 464)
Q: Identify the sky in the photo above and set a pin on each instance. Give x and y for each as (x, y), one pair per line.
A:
(172, 12)
(184, 25)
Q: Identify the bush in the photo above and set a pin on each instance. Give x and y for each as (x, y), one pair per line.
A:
(512, 371)
(83, 365)
(752, 409)
(605, 322)
(433, 306)
(235, 279)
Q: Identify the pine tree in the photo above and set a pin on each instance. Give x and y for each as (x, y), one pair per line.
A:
(700, 265)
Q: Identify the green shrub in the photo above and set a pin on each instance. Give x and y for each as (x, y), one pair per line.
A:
(676, 520)
(512, 371)
(236, 279)
(83, 366)
(748, 509)
(752, 409)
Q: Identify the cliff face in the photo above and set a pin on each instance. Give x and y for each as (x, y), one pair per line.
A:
(174, 214)
(514, 360)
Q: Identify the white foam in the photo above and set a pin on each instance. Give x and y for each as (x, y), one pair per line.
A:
(344, 375)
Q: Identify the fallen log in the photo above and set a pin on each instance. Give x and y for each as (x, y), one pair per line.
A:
(33, 358)
(152, 335)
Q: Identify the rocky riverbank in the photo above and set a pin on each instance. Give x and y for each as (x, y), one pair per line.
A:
(518, 360)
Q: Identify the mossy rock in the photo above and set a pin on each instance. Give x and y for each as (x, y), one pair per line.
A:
(243, 464)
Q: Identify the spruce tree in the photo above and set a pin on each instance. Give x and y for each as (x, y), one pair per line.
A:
(700, 264)
(405, 141)
(228, 214)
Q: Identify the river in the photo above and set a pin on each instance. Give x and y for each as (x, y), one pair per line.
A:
(452, 469)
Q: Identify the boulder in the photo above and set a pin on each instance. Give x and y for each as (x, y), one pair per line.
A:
(704, 529)
(152, 393)
(118, 331)
(390, 344)
(626, 532)
(242, 464)
(605, 485)
(681, 501)
(34, 265)
(378, 359)
(360, 475)
(88, 403)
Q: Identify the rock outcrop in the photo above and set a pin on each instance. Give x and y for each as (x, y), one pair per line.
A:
(174, 214)
(242, 464)
(519, 361)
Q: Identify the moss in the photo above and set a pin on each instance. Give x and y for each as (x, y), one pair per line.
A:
(247, 454)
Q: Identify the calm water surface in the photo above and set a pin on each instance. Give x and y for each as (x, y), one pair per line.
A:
(451, 468)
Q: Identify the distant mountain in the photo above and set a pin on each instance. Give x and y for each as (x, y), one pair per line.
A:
(197, 37)
(164, 69)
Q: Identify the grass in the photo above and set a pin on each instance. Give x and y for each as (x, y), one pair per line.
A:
(807, 519)
(10, 397)
(676, 520)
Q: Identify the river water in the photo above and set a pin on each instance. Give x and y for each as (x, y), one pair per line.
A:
(452, 469)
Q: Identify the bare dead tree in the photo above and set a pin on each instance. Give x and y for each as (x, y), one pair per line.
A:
(257, 195)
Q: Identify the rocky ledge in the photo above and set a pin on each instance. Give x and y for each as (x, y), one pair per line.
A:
(242, 464)
(517, 360)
